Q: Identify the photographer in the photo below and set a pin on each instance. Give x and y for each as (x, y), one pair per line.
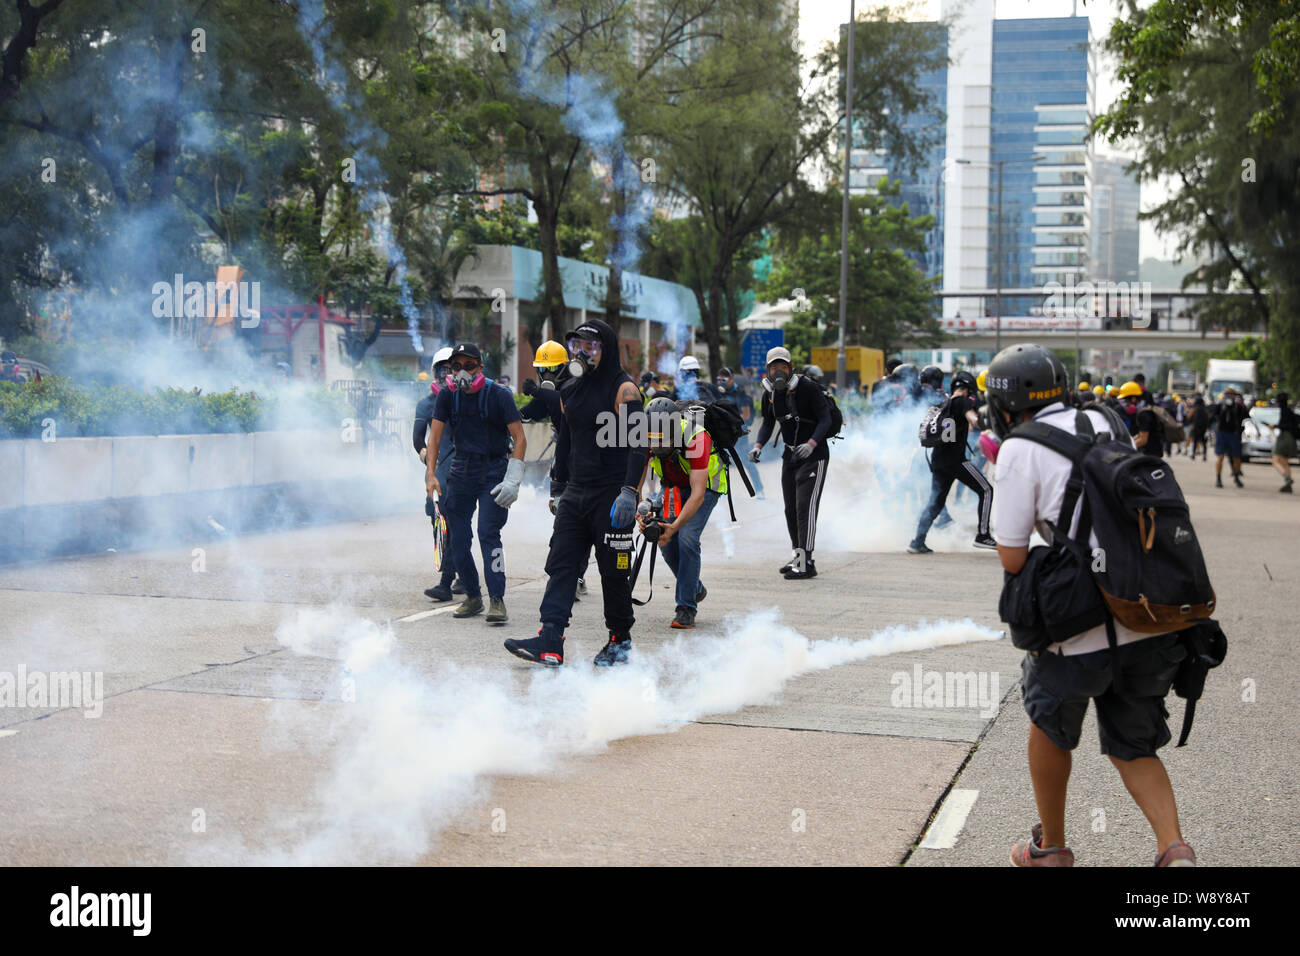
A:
(688, 467)
(1029, 383)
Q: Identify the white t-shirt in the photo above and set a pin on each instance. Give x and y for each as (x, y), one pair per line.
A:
(1029, 491)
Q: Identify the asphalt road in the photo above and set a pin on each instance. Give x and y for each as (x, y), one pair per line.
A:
(293, 697)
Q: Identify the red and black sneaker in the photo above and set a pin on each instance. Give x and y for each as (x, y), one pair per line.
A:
(546, 648)
(615, 652)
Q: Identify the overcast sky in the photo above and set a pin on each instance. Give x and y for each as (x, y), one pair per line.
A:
(819, 21)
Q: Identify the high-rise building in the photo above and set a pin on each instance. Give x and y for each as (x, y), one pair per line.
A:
(1115, 206)
(1009, 179)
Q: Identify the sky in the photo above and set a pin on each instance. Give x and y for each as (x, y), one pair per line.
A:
(819, 21)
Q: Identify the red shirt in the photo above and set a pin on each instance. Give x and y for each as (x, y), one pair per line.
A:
(697, 459)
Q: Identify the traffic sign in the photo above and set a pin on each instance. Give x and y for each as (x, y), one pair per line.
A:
(754, 346)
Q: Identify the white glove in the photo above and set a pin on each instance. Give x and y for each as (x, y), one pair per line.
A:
(755, 452)
(507, 493)
(424, 455)
(803, 451)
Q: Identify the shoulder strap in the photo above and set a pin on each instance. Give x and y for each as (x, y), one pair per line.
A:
(1073, 447)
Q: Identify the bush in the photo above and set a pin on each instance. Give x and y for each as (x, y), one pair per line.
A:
(91, 410)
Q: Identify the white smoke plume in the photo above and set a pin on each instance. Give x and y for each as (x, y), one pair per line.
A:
(416, 749)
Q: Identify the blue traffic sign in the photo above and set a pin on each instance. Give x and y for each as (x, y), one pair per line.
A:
(754, 346)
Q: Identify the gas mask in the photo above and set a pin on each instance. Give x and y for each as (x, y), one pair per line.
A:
(463, 380)
(584, 355)
(548, 376)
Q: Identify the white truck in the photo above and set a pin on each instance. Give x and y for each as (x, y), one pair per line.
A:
(1237, 373)
(1184, 381)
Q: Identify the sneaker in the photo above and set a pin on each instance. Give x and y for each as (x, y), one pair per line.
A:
(582, 585)
(496, 611)
(701, 594)
(1031, 854)
(918, 547)
(809, 571)
(546, 648)
(469, 607)
(684, 619)
(789, 565)
(1236, 480)
(1286, 489)
(1177, 854)
(615, 652)
(985, 541)
(458, 586)
(441, 592)
(1218, 481)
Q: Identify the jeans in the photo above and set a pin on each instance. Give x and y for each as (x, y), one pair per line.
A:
(468, 485)
(683, 552)
(742, 456)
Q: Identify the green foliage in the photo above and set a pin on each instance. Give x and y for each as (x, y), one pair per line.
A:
(88, 410)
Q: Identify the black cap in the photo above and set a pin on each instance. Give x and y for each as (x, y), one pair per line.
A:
(725, 372)
(589, 332)
(470, 349)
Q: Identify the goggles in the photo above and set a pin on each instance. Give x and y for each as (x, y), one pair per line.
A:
(588, 347)
(468, 365)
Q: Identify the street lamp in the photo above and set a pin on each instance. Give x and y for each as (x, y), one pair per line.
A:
(997, 261)
(841, 375)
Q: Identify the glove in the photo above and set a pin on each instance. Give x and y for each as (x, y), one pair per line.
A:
(806, 449)
(530, 387)
(424, 456)
(507, 493)
(755, 452)
(623, 509)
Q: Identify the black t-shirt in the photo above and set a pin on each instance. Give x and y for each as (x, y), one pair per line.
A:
(950, 454)
(1231, 418)
(479, 426)
(1149, 422)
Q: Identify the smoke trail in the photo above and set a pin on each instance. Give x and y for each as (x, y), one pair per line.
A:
(415, 750)
(317, 29)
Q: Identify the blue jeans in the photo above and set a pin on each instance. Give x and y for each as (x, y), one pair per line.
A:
(742, 456)
(468, 485)
(683, 552)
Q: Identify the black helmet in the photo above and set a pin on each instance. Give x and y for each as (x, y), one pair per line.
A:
(964, 379)
(909, 377)
(932, 375)
(663, 423)
(1022, 377)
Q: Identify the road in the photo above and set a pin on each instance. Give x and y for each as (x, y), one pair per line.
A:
(293, 697)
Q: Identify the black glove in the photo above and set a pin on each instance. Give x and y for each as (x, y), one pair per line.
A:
(530, 386)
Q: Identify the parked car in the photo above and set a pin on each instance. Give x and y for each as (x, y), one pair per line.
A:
(1257, 434)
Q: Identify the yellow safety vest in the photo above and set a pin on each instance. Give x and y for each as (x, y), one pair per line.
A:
(717, 474)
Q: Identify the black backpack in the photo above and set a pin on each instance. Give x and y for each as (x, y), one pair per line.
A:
(932, 426)
(721, 419)
(837, 416)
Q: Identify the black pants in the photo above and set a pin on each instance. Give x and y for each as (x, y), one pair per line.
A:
(581, 523)
(801, 484)
(941, 479)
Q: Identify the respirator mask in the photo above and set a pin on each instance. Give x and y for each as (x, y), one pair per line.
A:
(584, 355)
(465, 379)
(548, 375)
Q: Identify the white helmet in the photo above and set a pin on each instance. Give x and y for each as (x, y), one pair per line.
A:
(442, 355)
(689, 363)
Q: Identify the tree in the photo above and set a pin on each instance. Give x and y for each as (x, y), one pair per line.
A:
(891, 302)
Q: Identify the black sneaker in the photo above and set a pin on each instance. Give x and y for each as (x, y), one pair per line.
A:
(985, 541)
(441, 592)
(469, 607)
(918, 547)
(458, 586)
(1236, 480)
(809, 571)
(496, 611)
(789, 565)
(1218, 481)
(615, 652)
(684, 619)
(701, 594)
(546, 648)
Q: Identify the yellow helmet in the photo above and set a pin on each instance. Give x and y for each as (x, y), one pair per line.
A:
(1129, 388)
(423, 376)
(1099, 390)
(980, 381)
(550, 354)
(1085, 386)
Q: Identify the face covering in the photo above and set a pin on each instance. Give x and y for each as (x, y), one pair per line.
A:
(780, 381)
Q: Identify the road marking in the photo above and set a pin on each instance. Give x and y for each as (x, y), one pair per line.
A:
(943, 832)
(423, 614)
(7, 733)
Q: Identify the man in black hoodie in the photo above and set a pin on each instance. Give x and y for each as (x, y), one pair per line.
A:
(600, 456)
(800, 406)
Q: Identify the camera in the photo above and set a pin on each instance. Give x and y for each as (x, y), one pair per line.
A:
(654, 527)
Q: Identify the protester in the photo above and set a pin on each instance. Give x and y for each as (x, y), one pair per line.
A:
(730, 391)
(1229, 422)
(1284, 441)
(447, 585)
(1200, 418)
(1027, 382)
(1149, 430)
(801, 408)
(597, 477)
(485, 474)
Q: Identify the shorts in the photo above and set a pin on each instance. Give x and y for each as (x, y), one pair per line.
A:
(1285, 445)
(1226, 443)
(1133, 724)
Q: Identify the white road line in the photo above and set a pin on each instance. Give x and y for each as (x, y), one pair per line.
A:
(7, 733)
(423, 614)
(943, 833)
